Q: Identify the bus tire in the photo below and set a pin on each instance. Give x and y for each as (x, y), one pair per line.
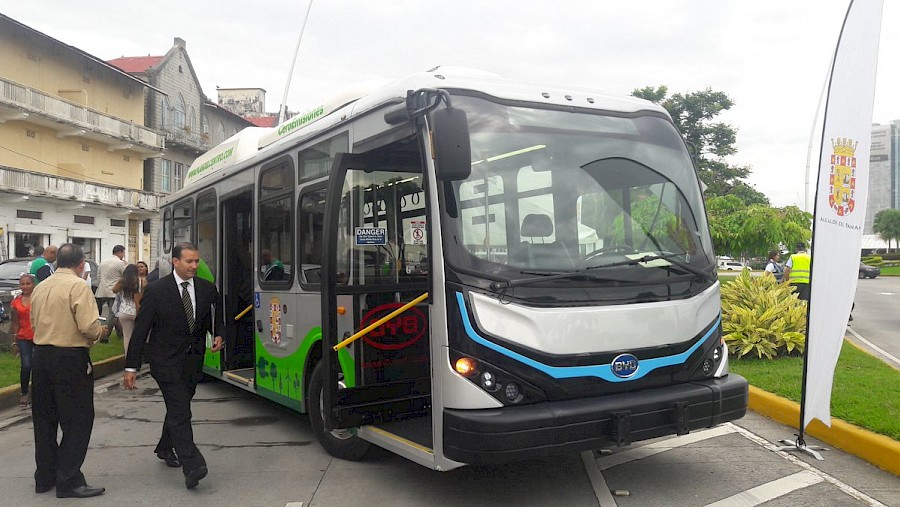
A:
(339, 443)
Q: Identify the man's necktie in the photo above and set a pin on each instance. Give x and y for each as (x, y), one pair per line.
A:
(188, 307)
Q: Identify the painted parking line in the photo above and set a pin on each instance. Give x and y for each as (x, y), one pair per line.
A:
(770, 490)
(874, 347)
(598, 483)
(808, 476)
(846, 488)
(644, 451)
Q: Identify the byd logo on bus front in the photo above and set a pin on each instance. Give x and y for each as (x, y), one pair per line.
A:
(398, 333)
(624, 365)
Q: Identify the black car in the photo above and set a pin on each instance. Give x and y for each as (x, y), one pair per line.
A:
(866, 271)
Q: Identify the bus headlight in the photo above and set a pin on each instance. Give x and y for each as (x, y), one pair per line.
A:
(502, 385)
(465, 366)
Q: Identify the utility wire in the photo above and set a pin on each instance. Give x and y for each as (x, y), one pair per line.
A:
(60, 168)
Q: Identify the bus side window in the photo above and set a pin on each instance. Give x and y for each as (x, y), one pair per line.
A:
(310, 228)
(276, 227)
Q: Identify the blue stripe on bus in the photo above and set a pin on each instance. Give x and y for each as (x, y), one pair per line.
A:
(603, 371)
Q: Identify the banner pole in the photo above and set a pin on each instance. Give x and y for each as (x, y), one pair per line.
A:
(799, 445)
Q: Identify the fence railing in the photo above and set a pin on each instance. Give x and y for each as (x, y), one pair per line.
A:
(48, 185)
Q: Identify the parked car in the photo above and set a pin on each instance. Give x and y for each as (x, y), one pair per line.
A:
(866, 271)
(732, 266)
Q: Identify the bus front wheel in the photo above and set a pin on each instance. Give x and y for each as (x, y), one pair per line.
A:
(340, 443)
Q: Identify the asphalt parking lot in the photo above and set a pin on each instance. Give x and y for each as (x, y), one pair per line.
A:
(263, 455)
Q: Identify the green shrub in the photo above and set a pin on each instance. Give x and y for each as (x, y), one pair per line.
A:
(762, 316)
(872, 260)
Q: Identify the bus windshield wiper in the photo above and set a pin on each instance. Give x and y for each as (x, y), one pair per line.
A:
(669, 258)
(672, 259)
(553, 276)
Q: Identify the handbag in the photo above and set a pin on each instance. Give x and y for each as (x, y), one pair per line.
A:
(117, 304)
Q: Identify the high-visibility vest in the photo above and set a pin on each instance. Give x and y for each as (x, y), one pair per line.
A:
(800, 267)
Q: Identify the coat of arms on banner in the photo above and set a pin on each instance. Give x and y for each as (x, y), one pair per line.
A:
(842, 181)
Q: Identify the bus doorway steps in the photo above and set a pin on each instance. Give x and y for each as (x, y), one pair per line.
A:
(414, 429)
(245, 376)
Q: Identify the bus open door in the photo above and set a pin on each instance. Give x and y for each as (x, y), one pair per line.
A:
(377, 385)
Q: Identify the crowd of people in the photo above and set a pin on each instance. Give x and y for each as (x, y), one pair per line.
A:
(57, 319)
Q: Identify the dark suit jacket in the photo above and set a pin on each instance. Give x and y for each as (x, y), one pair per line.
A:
(174, 350)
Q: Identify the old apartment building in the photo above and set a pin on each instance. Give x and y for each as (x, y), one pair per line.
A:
(73, 146)
(177, 107)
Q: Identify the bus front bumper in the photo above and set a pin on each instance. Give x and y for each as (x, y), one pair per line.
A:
(561, 427)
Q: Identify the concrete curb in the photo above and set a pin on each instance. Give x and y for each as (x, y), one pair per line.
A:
(879, 450)
(9, 396)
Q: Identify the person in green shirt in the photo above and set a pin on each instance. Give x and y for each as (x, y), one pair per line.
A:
(42, 267)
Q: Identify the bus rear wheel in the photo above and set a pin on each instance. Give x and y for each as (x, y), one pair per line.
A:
(340, 443)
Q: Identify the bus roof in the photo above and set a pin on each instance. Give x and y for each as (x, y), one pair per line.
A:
(367, 95)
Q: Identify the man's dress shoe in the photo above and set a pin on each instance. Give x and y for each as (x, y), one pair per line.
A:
(192, 478)
(42, 488)
(169, 457)
(79, 492)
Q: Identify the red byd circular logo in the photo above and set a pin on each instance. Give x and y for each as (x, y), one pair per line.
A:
(398, 333)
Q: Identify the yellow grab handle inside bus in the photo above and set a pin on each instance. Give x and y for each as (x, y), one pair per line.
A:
(380, 321)
(238, 317)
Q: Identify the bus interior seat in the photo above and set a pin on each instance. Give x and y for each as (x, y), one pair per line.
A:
(543, 255)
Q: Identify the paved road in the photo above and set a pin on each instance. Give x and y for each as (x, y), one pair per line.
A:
(262, 455)
(876, 319)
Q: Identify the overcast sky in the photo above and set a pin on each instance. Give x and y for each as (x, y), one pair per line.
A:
(770, 56)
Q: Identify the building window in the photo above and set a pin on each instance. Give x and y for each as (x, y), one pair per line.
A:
(177, 180)
(191, 119)
(34, 215)
(165, 184)
(84, 219)
(116, 222)
(179, 111)
(204, 125)
(26, 242)
(220, 133)
(164, 116)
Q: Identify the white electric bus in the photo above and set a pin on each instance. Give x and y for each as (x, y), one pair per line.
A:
(464, 269)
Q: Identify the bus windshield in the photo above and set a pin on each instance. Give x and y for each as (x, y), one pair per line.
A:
(560, 191)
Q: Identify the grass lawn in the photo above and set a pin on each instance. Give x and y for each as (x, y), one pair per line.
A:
(9, 364)
(892, 271)
(866, 391)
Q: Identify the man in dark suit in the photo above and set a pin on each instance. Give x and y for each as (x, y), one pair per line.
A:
(176, 313)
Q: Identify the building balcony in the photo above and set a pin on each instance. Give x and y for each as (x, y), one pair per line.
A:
(16, 184)
(18, 102)
(186, 138)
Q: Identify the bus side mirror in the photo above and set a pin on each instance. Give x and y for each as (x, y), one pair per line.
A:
(450, 139)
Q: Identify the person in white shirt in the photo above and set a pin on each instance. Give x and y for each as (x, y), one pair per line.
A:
(110, 272)
(773, 267)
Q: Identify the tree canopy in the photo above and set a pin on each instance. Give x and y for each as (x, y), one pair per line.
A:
(739, 229)
(887, 225)
(695, 115)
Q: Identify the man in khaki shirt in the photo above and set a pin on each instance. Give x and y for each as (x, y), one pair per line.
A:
(66, 324)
